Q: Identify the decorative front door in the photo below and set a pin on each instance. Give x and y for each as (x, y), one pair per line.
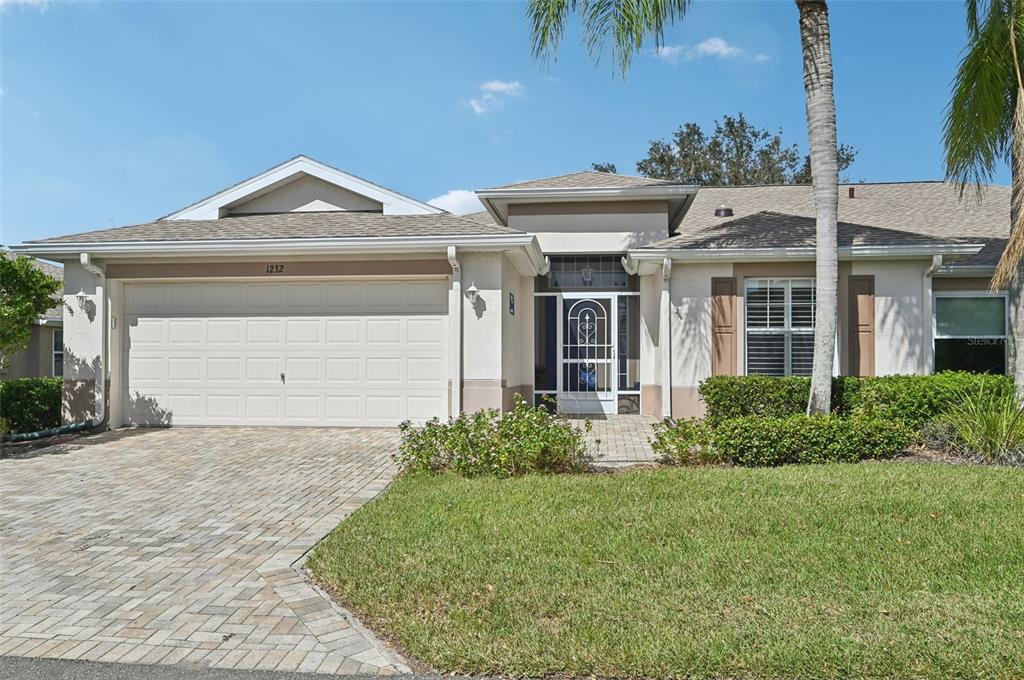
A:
(588, 383)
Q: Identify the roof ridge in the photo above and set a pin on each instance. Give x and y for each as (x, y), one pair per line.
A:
(579, 172)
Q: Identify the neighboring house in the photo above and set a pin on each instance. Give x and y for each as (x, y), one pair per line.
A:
(44, 355)
(308, 296)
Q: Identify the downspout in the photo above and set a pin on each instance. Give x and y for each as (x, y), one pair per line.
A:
(928, 355)
(455, 323)
(665, 338)
(101, 379)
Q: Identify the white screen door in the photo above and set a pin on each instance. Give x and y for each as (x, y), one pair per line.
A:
(588, 377)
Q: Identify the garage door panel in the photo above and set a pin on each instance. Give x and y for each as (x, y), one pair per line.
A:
(263, 331)
(302, 369)
(302, 331)
(224, 331)
(426, 331)
(185, 369)
(343, 331)
(351, 353)
(223, 369)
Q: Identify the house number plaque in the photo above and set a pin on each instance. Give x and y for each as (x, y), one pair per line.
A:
(275, 269)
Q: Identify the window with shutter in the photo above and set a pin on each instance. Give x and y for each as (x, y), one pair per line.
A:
(779, 326)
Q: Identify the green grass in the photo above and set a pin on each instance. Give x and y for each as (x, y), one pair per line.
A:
(871, 570)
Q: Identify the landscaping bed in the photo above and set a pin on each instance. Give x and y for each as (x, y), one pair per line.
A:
(798, 572)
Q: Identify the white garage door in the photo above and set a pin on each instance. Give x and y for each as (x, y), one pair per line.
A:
(335, 353)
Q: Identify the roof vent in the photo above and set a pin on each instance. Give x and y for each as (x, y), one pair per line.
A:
(722, 211)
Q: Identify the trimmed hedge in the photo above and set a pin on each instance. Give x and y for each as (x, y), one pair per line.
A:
(911, 399)
(754, 441)
(30, 404)
(760, 441)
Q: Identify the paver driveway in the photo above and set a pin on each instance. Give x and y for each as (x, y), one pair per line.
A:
(183, 546)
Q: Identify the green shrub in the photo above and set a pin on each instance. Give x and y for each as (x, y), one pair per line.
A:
(987, 425)
(30, 404)
(684, 442)
(918, 399)
(911, 399)
(526, 439)
(755, 441)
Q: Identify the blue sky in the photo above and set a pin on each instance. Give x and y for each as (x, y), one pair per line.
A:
(116, 113)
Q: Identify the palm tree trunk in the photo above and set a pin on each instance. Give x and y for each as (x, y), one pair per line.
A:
(1016, 339)
(821, 131)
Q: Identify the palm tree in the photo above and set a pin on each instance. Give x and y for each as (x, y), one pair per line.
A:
(627, 23)
(984, 127)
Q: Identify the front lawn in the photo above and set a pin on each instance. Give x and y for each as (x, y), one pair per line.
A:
(798, 572)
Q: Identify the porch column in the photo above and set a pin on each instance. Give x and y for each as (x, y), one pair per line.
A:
(665, 338)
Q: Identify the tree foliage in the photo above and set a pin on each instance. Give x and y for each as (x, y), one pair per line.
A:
(25, 294)
(736, 152)
(985, 116)
(603, 167)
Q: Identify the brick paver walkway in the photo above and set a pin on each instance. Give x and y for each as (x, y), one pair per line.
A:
(622, 439)
(183, 546)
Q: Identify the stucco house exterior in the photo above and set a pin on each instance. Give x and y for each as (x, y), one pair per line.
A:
(308, 296)
(44, 356)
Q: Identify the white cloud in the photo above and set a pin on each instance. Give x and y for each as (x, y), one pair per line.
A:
(511, 89)
(495, 92)
(485, 104)
(458, 201)
(669, 53)
(715, 47)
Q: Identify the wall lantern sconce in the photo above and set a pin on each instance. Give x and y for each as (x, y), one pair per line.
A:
(81, 296)
(588, 275)
(474, 294)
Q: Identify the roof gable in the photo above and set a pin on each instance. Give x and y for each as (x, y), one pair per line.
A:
(297, 169)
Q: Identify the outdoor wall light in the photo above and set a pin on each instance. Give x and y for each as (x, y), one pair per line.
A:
(81, 295)
(474, 293)
(588, 275)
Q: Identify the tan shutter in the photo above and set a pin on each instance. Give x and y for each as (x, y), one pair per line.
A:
(723, 326)
(862, 326)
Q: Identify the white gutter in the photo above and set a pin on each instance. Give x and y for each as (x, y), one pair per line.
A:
(801, 253)
(455, 325)
(101, 299)
(653, 191)
(291, 246)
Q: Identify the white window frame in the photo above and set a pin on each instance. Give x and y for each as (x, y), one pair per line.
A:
(1005, 337)
(55, 350)
(787, 331)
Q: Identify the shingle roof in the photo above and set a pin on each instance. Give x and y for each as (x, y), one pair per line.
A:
(587, 180)
(879, 214)
(53, 270)
(290, 225)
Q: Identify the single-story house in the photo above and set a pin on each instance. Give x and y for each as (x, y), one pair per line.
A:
(308, 296)
(44, 356)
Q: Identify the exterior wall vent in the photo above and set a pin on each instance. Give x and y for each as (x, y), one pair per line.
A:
(853, 192)
(722, 211)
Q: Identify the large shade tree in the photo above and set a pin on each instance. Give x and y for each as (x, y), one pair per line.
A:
(985, 127)
(624, 25)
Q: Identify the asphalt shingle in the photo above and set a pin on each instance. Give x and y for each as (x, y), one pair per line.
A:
(902, 213)
(290, 225)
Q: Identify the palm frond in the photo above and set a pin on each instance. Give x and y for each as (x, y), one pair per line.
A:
(621, 25)
(980, 112)
(547, 22)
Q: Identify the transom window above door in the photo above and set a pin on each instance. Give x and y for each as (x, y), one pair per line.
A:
(780, 326)
(586, 272)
